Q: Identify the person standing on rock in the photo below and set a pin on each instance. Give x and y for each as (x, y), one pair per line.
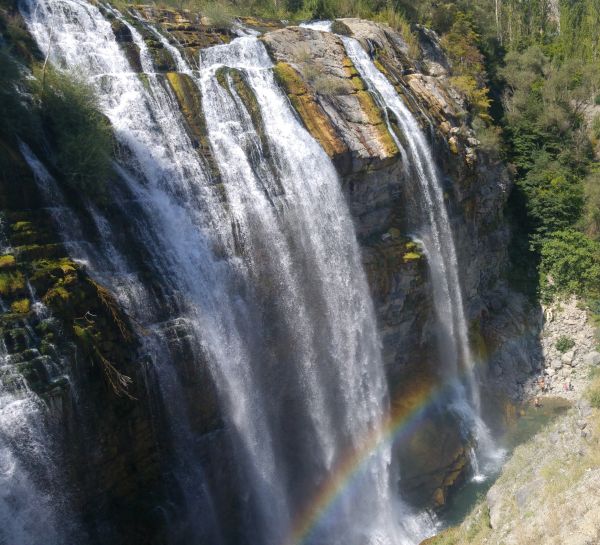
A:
(542, 384)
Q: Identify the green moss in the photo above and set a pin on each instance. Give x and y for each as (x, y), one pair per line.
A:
(21, 226)
(375, 118)
(190, 101)
(56, 296)
(7, 261)
(11, 283)
(411, 256)
(380, 67)
(21, 306)
(289, 79)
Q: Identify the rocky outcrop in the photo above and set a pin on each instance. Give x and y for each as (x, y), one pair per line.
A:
(330, 97)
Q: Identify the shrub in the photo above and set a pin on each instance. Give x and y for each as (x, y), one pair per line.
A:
(80, 135)
(564, 344)
(570, 263)
(489, 136)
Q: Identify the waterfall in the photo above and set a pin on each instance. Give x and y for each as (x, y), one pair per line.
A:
(437, 240)
(33, 508)
(28, 513)
(261, 267)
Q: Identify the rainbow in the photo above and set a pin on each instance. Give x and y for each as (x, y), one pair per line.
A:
(400, 423)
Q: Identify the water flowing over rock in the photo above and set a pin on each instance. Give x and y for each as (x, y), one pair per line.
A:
(257, 333)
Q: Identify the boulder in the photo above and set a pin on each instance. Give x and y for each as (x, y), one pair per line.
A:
(556, 364)
(591, 358)
(568, 357)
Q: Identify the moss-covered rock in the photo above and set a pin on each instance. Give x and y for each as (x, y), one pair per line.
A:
(7, 261)
(311, 113)
(21, 306)
(331, 98)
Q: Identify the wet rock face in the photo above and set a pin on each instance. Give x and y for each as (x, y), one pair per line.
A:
(66, 336)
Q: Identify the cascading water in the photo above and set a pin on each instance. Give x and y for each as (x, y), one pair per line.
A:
(276, 303)
(438, 243)
(33, 508)
(28, 513)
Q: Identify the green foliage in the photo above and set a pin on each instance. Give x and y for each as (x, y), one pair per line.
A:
(570, 263)
(579, 37)
(462, 45)
(55, 111)
(564, 344)
(80, 134)
(554, 195)
(591, 216)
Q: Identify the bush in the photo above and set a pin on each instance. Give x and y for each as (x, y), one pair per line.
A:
(80, 135)
(564, 344)
(489, 136)
(570, 263)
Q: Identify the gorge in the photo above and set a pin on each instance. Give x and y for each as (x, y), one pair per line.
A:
(281, 315)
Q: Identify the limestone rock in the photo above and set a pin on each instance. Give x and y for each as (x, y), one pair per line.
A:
(568, 357)
(591, 358)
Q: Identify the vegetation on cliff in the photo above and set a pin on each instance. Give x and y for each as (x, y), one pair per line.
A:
(536, 65)
(55, 114)
(50, 109)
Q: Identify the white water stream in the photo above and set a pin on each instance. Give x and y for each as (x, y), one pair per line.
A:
(437, 239)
